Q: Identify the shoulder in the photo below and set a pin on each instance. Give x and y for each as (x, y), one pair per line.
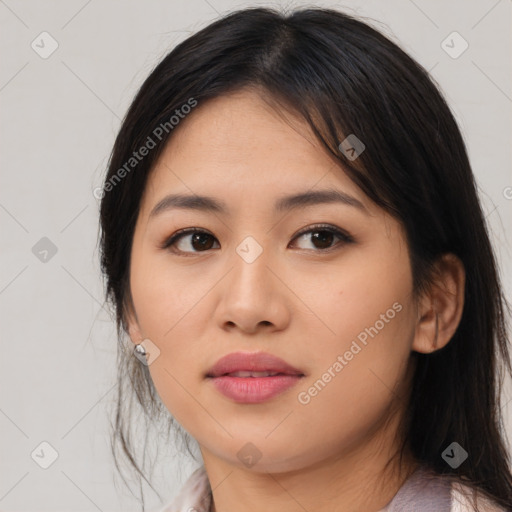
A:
(194, 495)
(463, 499)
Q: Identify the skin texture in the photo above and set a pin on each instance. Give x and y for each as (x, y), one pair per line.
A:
(297, 300)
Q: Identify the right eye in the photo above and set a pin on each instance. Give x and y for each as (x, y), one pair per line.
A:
(200, 241)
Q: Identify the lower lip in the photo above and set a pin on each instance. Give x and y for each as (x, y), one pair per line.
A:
(253, 390)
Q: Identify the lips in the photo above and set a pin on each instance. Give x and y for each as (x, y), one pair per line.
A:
(252, 378)
(252, 365)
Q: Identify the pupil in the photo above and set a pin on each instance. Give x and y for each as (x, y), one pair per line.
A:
(200, 239)
(327, 236)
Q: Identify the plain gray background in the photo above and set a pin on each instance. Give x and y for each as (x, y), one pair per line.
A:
(59, 117)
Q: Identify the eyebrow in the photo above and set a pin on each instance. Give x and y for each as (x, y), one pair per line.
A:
(210, 204)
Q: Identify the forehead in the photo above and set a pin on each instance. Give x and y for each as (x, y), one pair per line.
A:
(239, 146)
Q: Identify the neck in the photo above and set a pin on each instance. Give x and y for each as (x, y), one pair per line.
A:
(363, 479)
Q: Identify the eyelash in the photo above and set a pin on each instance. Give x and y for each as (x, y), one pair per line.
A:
(345, 238)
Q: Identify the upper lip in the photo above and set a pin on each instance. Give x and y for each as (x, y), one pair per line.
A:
(251, 362)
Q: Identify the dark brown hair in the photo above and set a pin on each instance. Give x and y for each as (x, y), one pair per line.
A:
(342, 77)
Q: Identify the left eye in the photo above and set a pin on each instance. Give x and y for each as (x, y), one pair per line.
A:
(196, 240)
(323, 237)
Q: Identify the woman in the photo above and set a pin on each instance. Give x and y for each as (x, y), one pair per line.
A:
(292, 238)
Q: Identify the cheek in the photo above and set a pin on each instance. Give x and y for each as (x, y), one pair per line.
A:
(170, 315)
(165, 296)
(172, 312)
(366, 307)
(172, 386)
(356, 376)
(360, 293)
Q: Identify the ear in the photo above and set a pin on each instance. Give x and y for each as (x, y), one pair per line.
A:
(440, 310)
(133, 325)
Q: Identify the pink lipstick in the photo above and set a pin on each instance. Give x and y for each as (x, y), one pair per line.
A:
(252, 377)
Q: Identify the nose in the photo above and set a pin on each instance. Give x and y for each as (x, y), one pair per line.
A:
(253, 297)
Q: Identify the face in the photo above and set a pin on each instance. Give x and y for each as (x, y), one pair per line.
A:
(325, 285)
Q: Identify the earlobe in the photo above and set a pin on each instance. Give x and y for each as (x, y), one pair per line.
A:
(134, 332)
(440, 310)
(426, 337)
(133, 327)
